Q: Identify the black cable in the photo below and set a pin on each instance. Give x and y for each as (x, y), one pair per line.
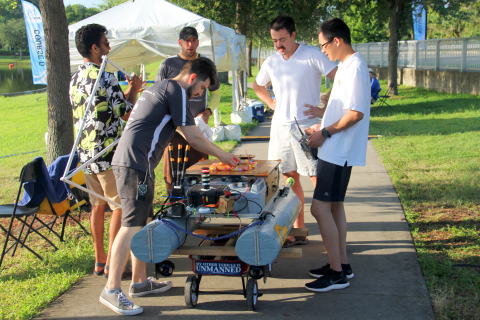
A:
(163, 205)
(261, 209)
(186, 234)
(246, 205)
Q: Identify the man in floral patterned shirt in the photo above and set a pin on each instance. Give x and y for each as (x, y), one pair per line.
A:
(103, 126)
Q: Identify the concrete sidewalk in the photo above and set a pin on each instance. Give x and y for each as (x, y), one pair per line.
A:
(388, 282)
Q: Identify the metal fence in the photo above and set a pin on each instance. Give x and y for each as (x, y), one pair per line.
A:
(462, 54)
(264, 52)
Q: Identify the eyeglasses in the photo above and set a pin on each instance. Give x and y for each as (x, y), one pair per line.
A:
(106, 42)
(323, 45)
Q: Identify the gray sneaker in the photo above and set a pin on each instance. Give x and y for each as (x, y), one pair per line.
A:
(119, 303)
(151, 287)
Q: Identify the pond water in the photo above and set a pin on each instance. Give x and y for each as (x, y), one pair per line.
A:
(17, 79)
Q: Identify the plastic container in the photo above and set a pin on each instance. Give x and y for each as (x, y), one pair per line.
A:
(256, 192)
(257, 110)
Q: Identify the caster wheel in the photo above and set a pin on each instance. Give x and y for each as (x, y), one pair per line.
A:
(165, 268)
(192, 287)
(252, 294)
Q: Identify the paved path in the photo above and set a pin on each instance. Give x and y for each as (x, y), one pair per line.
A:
(388, 282)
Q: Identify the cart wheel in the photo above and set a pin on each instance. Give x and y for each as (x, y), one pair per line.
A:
(165, 268)
(252, 294)
(191, 291)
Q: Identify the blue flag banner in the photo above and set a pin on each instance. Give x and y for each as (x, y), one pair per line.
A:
(420, 23)
(36, 42)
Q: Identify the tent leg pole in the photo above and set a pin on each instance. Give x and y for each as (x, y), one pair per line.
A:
(245, 87)
(234, 91)
(216, 121)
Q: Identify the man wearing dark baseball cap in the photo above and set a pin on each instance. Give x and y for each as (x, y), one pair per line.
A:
(170, 68)
(188, 32)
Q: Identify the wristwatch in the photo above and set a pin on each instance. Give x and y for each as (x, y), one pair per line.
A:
(211, 112)
(325, 133)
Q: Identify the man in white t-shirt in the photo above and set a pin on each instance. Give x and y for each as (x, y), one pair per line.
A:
(295, 72)
(342, 141)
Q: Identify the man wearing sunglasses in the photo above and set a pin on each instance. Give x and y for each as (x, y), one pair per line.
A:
(296, 74)
(103, 126)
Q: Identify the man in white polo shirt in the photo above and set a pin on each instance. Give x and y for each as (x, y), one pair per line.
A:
(342, 141)
(295, 71)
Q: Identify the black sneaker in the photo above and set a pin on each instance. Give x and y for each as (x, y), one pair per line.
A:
(318, 273)
(151, 286)
(331, 281)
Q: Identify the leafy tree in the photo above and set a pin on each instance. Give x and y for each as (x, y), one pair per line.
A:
(10, 10)
(13, 34)
(365, 23)
(462, 23)
(78, 12)
(107, 4)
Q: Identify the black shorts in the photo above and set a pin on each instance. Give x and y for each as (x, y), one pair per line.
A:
(134, 212)
(332, 182)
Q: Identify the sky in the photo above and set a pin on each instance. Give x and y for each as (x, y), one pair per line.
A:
(86, 3)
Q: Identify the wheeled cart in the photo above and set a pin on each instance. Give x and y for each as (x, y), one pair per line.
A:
(218, 258)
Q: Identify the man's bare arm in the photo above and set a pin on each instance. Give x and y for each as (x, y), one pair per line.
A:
(200, 143)
(263, 94)
(332, 73)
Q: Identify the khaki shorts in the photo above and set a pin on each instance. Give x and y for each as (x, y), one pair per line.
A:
(284, 146)
(104, 184)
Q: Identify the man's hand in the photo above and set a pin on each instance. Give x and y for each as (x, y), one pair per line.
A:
(316, 139)
(324, 100)
(274, 104)
(205, 115)
(135, 83)
(229, 158)
(313, 112)
(312, 129)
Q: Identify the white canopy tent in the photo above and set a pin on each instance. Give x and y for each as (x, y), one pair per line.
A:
(145, 31)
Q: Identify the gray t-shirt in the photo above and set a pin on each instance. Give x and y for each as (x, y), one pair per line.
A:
(170, 68)
(158, 112)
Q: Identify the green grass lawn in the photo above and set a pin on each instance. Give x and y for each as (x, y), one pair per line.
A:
(26, 284)
(430, 146)
(13, 59)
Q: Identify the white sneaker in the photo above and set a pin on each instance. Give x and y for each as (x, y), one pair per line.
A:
(119, 303)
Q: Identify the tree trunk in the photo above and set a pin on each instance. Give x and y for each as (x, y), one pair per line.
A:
(60, 119)
(249, 58)
(241, 28)
(259, 50)
(20, 53)
(396, 10)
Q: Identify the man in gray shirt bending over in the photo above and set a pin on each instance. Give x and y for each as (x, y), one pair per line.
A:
(158, 113)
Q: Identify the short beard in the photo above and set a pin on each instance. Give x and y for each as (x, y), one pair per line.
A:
(190, 90)
(188, 54)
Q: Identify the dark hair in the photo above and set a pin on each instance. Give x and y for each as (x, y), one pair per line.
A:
(283, 22)
(335, 28)
(87, 36)
(203, 68)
